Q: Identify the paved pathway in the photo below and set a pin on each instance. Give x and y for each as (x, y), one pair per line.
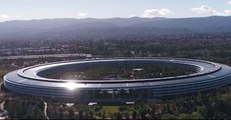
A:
(45, 110)
(2, 105)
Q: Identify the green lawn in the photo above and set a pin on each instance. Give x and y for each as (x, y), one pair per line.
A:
(115, 109)
(110, 109)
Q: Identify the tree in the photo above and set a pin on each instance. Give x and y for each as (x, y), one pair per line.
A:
(80, 114)
(134, 114)
(71, 114)
(197, 116)
(127, 115)
(119, 116)
(202, 110)
(194, 115)
(226, 98)
(185, 116)
(168, 116)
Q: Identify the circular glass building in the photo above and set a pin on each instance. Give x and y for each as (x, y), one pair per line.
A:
(119, 79)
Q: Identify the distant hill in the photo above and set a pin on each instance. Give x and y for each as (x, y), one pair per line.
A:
(93, 28)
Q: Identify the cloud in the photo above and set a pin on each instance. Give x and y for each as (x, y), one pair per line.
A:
(18, 16)
(82, 14)
(210, 11)
(205, 10)
(3, 16)
(133, 16)
(227, 12)
(156, 12)
(229, 2)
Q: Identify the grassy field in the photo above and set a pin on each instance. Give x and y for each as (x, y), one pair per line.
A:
(109, 110)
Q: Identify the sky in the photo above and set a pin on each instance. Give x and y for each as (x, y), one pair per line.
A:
(42, 9)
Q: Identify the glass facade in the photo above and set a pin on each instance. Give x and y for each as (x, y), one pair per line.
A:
(212, 76)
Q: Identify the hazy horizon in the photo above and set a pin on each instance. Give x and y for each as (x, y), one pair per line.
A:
(110, 18)
(50, 9)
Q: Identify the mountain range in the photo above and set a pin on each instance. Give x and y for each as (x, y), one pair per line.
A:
(91, 27)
